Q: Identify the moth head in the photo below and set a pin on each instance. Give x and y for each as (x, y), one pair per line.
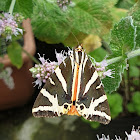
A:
(79, 48)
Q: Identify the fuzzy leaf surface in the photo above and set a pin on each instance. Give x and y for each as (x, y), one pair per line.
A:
(135, 13)
(54, 25)
(14, 53)
(49, 22)
(122, 42)
(23, 7)
(123, 37)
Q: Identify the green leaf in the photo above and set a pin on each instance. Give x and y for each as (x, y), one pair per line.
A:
(95, 125)
(136, 98)
(15, 54)
(23, 7)
(134, 105)
(131, 107)
(115, 103)
(85, 17)
(49, 22)
(90, 17)
(123, 37)
(111, 84)
(98, 54)
(3, 5)
(135, 13)
(122, 42)
(53, 25)
(134, 63)
(125, 4)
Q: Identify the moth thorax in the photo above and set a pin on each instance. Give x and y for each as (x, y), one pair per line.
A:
(79, 48)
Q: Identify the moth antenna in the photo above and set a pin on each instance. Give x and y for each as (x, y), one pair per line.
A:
(75, 38)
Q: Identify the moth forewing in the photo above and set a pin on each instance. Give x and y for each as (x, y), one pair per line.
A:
(54, 98)
(74, 89)
(92, 102)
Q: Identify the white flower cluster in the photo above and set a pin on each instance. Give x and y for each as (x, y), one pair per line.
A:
(101, 69)
(135, 135)
(9, 25)
(43, 71)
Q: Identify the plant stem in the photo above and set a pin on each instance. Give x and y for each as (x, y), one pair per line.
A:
(30, 56)
(129, 55)
(113, 60)
(133, 53)
(12, 6)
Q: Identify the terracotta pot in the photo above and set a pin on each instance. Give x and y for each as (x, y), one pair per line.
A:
(23, 89)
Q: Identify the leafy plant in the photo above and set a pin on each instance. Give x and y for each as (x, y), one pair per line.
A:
(134, 105)
(115, 103)
(53, 25)
(24, 8)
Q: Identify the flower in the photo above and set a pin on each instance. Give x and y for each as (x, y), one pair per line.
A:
(135, 134)
(101, 69)
(103, 137)
(107, 138)
(9, 26)
(43, 71)
(61, 56)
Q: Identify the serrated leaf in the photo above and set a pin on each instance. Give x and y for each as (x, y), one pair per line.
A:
(111, 84)
(49, 22)
(24, 7)
(15, 54)
(122, 42)
(123, 37)
(91, 17)
(53, 25)
(135, 13)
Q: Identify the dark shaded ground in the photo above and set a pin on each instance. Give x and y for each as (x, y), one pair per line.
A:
(12, 121)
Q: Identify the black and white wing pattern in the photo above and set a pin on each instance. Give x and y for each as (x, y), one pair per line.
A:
(54, 98)
(91, 99)
(74, 89)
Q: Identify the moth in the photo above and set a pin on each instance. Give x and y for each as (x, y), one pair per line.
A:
(74, 89)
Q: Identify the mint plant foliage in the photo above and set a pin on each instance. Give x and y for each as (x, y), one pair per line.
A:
(54, 25)
(124, 44)
(134, 105)
(135, 13)
(115, 103)
(14, 53)
(123, 41)
(23, 7)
